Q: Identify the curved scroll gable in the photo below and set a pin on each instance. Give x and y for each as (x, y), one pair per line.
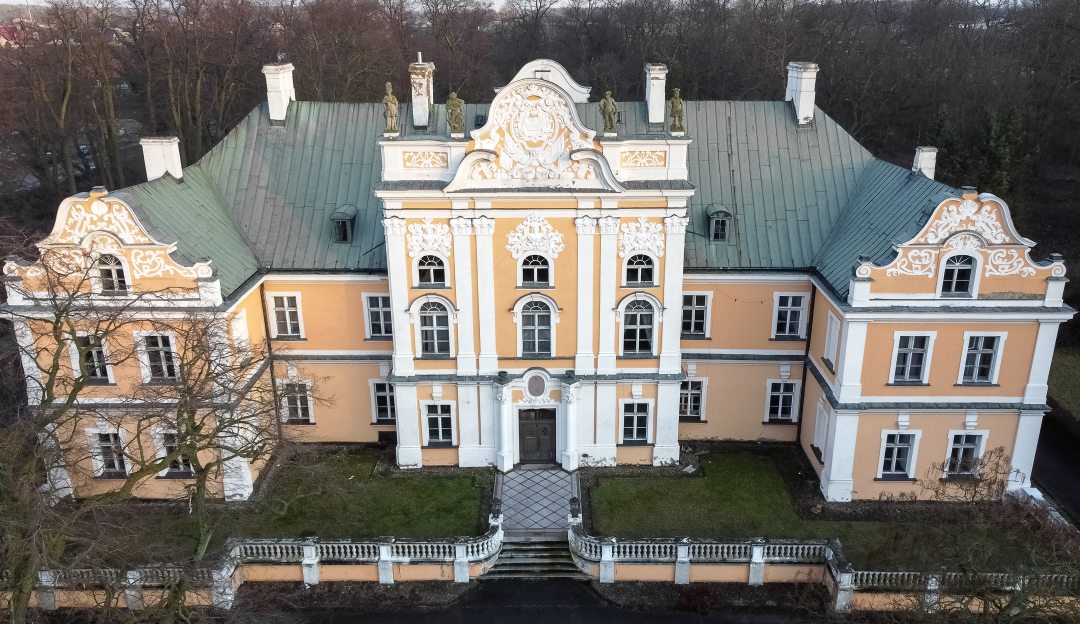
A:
(533, 139)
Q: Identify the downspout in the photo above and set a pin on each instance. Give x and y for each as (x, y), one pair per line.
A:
(270, 356)
(806, 360)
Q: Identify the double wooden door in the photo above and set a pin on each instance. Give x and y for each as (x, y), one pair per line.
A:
(537, 435)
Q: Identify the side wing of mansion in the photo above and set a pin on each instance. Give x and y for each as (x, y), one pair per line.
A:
(535, 289)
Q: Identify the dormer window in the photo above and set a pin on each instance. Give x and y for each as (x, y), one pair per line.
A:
(956, 276)
(342, 223)
(719, 226)
(111, 274)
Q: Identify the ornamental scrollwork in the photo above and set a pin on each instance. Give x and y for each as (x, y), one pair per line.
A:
(425, 160)
(156, 263)
(641, 236)
(643, 158)
(429, 237)
(914, 262)
(968, 215)
(111, 217)
(964, 242)
(1007, 262)
(534, 234)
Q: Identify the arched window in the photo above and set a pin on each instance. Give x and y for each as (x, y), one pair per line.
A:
(536, 329)
(434, 330)
(535, 271)
(431, 272)
(111, 273)
(719, 225)
(956, 277)
(637, 322)
(639, 270)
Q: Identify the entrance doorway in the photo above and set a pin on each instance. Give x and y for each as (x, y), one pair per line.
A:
(537, 436)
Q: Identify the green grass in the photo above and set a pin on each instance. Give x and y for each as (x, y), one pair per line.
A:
(743, 495)
(1065, 379)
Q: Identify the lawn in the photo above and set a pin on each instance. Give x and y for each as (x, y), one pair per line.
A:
(743, 495)
(1065, 379)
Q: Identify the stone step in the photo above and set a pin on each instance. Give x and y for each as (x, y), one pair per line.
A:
(537, 546)
(498, 575)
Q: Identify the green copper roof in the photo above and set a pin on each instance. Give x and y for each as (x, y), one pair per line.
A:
(800, 198)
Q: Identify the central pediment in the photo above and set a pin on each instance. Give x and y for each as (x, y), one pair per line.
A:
(533, 139)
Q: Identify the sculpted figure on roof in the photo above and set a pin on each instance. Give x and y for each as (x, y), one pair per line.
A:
(610, 111)
(390, 110)
(675, 107)
(455, 113)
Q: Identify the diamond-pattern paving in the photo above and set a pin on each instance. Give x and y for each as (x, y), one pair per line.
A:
(536, 500)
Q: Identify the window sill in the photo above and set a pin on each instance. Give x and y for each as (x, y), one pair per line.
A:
(160, 381)
(379, 338)
(440, 445)
(535, 287)
(385, 422)
(632, 356)
(640, 285)
(829, 365)
(112, 476)
(431, 287)
(635, 443)
(978, 384)
(895, 479)
(100, 382)
(781, 422)
(693, 337)
(692, 419)
(289, 338)
(306, 423)
(176, 476)
(787, 338)
(114, 293)
(538, 357)
(907, 383)
(435, 357)
(960, 478)
(956, 296)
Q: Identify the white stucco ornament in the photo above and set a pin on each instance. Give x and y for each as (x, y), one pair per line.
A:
(641, 236)
(968, 215)
(914, 262)
(428, 237)
(534, 235)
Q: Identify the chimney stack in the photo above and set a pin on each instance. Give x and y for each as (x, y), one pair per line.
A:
(161, 155)
(279, 90)
(925, 161)
(421, 78)
(801, 79)
(656, 91)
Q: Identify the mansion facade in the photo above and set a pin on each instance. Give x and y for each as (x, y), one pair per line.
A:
(540, 287)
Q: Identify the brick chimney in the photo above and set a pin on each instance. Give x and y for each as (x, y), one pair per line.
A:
(161, 155)
(801, 79)
(925, 161)
(279, 90)
(655, 91)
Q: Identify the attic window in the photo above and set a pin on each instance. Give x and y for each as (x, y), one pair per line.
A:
(719, 226)
(342, 223)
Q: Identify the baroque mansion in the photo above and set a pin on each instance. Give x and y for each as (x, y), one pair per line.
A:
(545, 279)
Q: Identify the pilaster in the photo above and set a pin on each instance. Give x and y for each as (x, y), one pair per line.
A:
(469, 452)
(504, 457)
(408, 426)
(570, 409)
(484, 228)
(1035, 391)
(836, 477)
(609, 278)
(671, 325)
(607, 408)
(463, 276)
(584, 360)
(398, 268)
(849, 371)
(1023, 454)
(666, 436)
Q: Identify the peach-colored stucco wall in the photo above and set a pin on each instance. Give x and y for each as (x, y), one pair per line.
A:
(735, 401)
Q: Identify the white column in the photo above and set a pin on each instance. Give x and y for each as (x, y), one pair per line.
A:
(666, 436)
(463, 288)
(609, 278)
(570, 409)
(484, 227)
(504, 457)
(1035, 391)
(469, 452)
(607, 409)
(840, 456)
(489, 424)
(584, 361)
(671, 325)
(849, 372)
(398, 268)
(1023, 453)
(408, 426)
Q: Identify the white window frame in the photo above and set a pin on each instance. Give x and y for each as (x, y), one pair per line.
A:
(97, 286)
(416, 271)
(367, 317)
(648, 421)
(999, 352)
(414, 318)
(551, 270)
(655, 271)
(241, 338)
(802, 315)
(704, 395)
(912, 460)
(520, 305)
(712, 227)
(272, 313)
(424, 429)
(832, 340)
(976, 273)
(822, 420)
(159, 445)
(708, 313)
(96, 459)
(796, 395)
(658, 311)
(375, 405)
(930, 336)
(984, 435)
(285, 401)
(144, 356)
(76, 364)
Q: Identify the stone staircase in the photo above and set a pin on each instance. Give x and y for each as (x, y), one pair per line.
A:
(525, 558)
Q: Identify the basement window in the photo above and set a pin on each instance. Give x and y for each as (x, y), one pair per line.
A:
(342, 223)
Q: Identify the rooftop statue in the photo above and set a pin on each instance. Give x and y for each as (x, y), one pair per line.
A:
(610, 111)
(675, 108)
(390, 110)
(455, 113)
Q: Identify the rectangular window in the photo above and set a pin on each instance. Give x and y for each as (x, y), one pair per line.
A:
(965, 451)
(286, 316)
(111, 454)
(379, 319)
(719, 228)
(440, 424)
(694, 314)
(832, 338)
(635, 423)
(181, 465)
(160, 359)
(789, 311)
(896, 459)
(95, 367)
(691, 393)
(911, 352)
(385, 407)
(980, 359)
(297, 399)
(782, 401)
